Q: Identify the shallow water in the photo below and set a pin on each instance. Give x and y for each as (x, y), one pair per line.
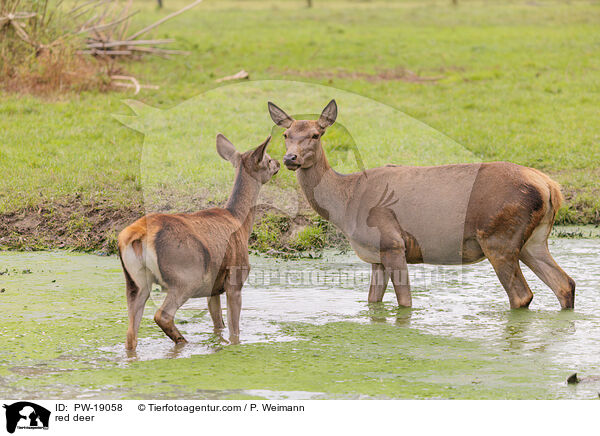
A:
(65, 315)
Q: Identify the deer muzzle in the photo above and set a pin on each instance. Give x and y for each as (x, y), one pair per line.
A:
(291, 161)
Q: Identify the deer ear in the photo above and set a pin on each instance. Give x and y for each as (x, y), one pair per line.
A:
(259, 153)
(279, 117)
(328, 115)
(227, 150)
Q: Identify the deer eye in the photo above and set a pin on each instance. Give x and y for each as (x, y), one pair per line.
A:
(285, 135)
(315, 136)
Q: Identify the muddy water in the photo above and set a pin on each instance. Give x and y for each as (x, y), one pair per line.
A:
(307, 332)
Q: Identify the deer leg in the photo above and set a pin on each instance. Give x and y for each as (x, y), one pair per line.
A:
(379, 281)
(512, 279)
(234, 307)
(165, 316)
(505, 261)
(395, 264)
(136, 300)
(214, 307)
(540, 261)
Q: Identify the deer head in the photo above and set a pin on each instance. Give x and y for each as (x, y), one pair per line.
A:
(303, 137)
(257, 163)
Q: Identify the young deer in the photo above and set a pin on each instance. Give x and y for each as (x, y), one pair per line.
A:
(444, 215)
(201, 254)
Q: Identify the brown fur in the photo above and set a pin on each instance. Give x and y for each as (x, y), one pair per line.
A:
(448, 214)
(201, 254)
(134, 232)
(392, 235)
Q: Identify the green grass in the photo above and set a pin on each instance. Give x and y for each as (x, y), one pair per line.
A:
(276, 234)
(267, 234)
(310, 237)
(518, 81)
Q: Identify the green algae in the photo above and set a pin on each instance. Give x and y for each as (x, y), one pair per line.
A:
(339, 359)
(64, 322)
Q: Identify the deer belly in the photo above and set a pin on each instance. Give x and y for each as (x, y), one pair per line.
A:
(207, 289)
(366, 252)
(441, 243)
(431, 247)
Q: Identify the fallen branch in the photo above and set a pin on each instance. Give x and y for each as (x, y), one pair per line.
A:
(125, 27)
(129, 43)
(131, 85)
(237, 76)
(132, 79)
(16, 16)
(114, 43)
(21, 32)
(98, 28)
(158, 50)
(134, 83)
(85, 5)
(95, 51)
(106, 26)
(168, 17)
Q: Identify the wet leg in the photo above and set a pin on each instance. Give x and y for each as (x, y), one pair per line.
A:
(505, 261)
(165, 316)
(234, 307)
(379, 281)
(540, 261)
(136, 301)
(397, 268)
(214, 307)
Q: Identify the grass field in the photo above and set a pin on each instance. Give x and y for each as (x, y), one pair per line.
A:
(517, 81)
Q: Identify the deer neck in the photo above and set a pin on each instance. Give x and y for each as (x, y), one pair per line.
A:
(323, 187)
(243, 198)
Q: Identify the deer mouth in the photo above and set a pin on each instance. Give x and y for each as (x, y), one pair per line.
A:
(293, 166)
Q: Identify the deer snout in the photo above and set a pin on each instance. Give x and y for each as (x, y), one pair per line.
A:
(290, 160)
(275, 166)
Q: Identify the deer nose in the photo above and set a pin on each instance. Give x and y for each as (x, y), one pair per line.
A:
(289, 159)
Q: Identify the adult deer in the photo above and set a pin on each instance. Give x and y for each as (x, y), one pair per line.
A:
(449, 214)
(201, 254)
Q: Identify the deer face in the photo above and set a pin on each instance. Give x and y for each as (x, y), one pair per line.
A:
(303, 137)
(257, 163)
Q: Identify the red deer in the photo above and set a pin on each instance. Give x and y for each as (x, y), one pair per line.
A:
(201, 254)
(448, 214)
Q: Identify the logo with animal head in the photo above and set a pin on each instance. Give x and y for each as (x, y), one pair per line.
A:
(26, 415)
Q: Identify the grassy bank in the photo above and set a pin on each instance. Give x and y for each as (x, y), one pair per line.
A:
(516, 81)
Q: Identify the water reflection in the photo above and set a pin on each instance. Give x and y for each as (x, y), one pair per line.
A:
(403, 316)
(460, 302)
(387, 312)
(466, 302)
(532, 330)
